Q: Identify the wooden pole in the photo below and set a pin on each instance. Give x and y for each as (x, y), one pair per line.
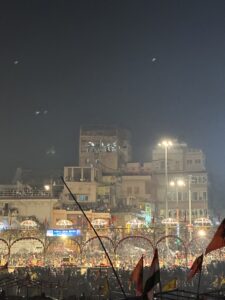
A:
(199, 280)
(103, 247)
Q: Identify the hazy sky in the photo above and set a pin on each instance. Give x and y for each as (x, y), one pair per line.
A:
(154, 67)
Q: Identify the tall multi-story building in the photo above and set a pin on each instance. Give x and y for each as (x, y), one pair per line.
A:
(184, 165)
(106, 147)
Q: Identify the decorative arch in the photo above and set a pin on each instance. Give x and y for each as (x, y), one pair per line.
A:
(95, 237)
(137, 246)
(68, 238)
(99, 258)
(177, 238)
(132, 237)
(37, 253)
(28, 238)
(171, 236)
(7, 244)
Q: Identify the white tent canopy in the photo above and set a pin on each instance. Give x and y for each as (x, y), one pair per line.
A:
(99, 222)
(28, 223)
(203, 222)
(64, 223)
(169, 221)
(135, 223)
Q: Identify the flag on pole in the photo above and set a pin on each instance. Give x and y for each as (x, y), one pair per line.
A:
(218, 240)
(154, 277)
(170, 285)
(196, 267)
(137, 277)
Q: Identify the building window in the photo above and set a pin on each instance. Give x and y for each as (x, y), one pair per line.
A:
(69, 174)
(195, 196)
(177, 165)
(194, 179)
(179, 196)
(172, 196)
(204, 196)
(189, 162)
(185, 196)
(82, 197)
(198, 161)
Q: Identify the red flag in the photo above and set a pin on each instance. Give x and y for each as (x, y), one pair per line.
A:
(196, 267)
(137, 277)
(218, 240)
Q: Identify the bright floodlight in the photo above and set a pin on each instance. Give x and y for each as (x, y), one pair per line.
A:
(180, 182)
(166, 143)
(47, 187)
(201, 233)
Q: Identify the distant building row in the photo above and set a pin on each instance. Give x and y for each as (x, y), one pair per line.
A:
(106, 173)
(107, 182)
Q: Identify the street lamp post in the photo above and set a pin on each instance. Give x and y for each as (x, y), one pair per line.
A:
(189, 207)
(166, 144)
(177, 183)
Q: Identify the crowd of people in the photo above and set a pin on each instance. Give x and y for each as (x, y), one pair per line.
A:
(66, 282)
(63, 269)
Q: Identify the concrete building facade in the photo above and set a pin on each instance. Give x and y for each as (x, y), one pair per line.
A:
(83, 183)
(188, 165)
(25, 203)
(105, 147)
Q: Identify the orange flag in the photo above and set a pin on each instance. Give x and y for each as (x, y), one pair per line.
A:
(137, 277)
(218, 240)
(196, 267)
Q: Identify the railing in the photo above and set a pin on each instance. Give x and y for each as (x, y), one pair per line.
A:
(25, 194)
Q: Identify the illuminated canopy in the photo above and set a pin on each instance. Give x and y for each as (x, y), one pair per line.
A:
(28, 223)
(64, 223)
(203, 222)
(99, 222)
(169, 221)
(135, 223)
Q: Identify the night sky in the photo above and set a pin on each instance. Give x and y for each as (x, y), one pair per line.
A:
(154, 67)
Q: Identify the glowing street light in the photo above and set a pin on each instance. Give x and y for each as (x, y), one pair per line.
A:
(47, 187)
(202, 233)
(166, 144)
(180, 182)
(177, 183)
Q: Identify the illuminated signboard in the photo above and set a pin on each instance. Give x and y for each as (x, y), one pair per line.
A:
(63, 232)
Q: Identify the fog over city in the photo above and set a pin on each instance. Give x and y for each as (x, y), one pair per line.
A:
(155, 68)
(112, 164)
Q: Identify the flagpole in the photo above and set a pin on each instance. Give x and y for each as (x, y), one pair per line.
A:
(103, 247)
(160, 286)
(142, 273)
(199, 280)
